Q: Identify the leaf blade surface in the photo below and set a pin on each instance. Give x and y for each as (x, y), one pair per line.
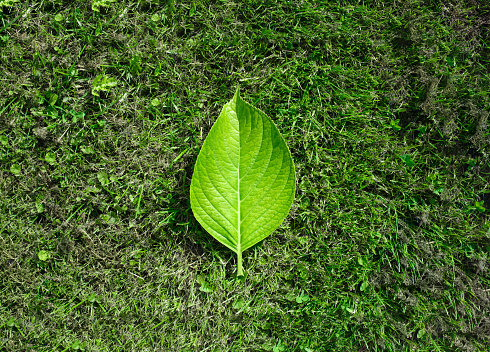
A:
(244, 180)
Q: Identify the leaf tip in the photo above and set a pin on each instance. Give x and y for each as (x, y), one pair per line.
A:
(237, 94)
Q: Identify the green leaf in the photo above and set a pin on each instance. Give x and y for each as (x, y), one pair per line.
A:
(155, 17)
(364, 285)
(39, 204)
(50, 158)
(15, 169)
(302, 298)
(4, 140)
(479, 206)
(87, 150)
(12, 322)
(52, 99)
(192, 11)
(43, 255)
(77, 115)
(279, 347)
(394, 125)
(155, 102)
(97, 3)
(103, 178)
(351, 311)
(205, 286)
(407, 159)
(244, 179)
(104, 83)
(239, 303)
(134, 64)
(93, 297)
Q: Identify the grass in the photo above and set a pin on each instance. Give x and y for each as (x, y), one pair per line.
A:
(384, 106)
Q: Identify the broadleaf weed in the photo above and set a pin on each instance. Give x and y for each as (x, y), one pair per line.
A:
(102, 83)
(98, 3)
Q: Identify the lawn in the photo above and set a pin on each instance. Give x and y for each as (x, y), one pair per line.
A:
(384, 106)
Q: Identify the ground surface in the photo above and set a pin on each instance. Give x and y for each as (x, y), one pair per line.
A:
(384, 108)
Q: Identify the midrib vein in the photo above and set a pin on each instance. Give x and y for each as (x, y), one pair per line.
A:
(239, 247)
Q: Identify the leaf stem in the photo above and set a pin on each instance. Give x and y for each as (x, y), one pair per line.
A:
(239, 265)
